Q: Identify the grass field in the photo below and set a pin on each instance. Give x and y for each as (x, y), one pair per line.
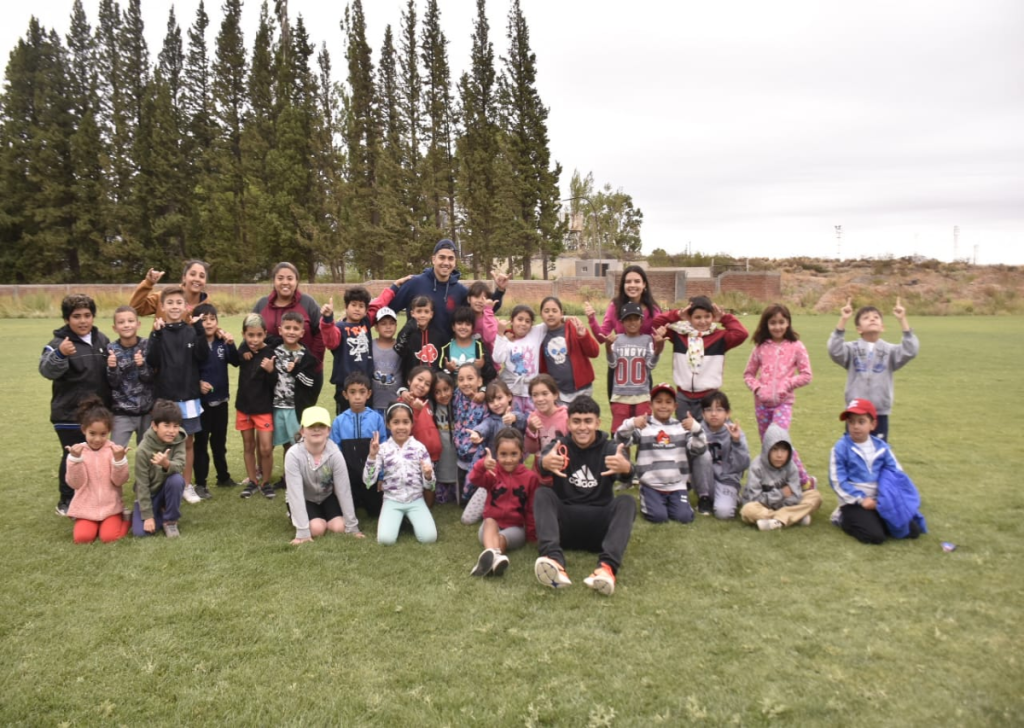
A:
(714, 622)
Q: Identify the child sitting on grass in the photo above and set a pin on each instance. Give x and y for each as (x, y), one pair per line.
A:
(97, 468)
(870, 363)
(870, 484)
(508, 514)
(664, 448)
(158, 467)
(403, 467)
(317, 481)
(717, 474)
(772, 497)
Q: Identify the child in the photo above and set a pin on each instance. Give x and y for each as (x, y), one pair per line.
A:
(75, 361)
(214, 385)
(717, 473)
(254, 406)
(158, 466)
(500, 415)
(468, 414)
(352, 431)
(130, 379)
(349, 341)
(778, 365)
(508, 515)
(632, 357)
(318, 483)
(387, 366)
(403, 466)
(419, 343)
(175, 354)
(580, 510)
(447, 465)
(465, 349)
(520, 356)
(772, 497)
(485, 325)
(568, 347)
(860, 468)
(870, 362)
(417, 396)
(293, 391)
(546, 422)
(97, 468)
(664, 447)
(701, 333)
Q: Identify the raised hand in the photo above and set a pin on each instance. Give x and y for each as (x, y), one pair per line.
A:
(162, 459)
(475, 438)
(899, 312)
(225, 337)
(401, 281)
(734, 430)
(847, 310)
(588, 310)
(610, 337)
(374, 446)
(534, 422)
(66, 347)
(76, 449)
(554, 462)
(139, 359)
(640, 422)
(154, 276)
(617, 464)
(327, 310)
(427, 468)
(112, 359)
(500, 279)
(118, 452)
(717, 312)
(158, 323)
(268, 364)
(509, 418)
(489, 462)
(688, 421)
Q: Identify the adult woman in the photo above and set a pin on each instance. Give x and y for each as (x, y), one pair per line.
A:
(633, 288)
(146, 301)
(284, 298)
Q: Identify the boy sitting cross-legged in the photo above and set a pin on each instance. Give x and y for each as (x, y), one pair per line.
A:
(158, 467)
(580, 509)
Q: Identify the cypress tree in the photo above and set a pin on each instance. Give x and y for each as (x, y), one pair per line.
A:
(392, 193)
(438, 163)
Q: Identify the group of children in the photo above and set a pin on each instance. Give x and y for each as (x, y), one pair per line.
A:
(421, 419)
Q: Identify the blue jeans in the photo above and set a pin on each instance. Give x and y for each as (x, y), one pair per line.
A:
(166, 505)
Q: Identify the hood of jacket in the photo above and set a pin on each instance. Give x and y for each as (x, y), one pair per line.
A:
(773, 436)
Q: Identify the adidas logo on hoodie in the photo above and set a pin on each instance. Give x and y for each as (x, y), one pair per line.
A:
(583, 478)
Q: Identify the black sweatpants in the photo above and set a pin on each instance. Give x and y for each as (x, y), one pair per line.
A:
(67, 436)
(602, 529)
(214, 434)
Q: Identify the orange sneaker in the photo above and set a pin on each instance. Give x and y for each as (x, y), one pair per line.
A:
(550, 573)
(602, 580)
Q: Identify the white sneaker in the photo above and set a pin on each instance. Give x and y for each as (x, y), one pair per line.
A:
(190, 494)
(550, 573)
(806, 520)
(769, 524)
(500, 564)
(484, 563)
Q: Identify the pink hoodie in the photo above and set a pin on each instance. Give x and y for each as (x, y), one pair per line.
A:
(775, 370)
(550, 428)
(97, 482)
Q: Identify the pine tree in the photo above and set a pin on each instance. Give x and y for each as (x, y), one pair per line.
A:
(438, 163)
(531, 188)
(391, 193)
(200, 129)
(134, 213)
(328, 162)
(410, 95)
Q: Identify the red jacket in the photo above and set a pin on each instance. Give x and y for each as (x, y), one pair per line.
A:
(509, 495)
(580, 351)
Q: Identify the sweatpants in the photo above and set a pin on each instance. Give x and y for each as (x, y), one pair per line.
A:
(68, 435)
(214, 434)
(724, 495)
(391, 515)
(127, 425)
(602, 529)
(660, 506)
(166, 505)
(810, 502)
(867, 526)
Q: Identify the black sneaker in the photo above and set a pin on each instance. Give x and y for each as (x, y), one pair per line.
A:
(279, 485)
(203, 492)
(226, 483)
(704, 505)
(248, 490)
(268, 491)
(62, 508)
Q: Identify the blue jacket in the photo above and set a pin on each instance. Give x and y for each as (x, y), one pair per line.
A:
(214, 371)
(446, 296)
(351, 425)
(853, 475)
(898, 503)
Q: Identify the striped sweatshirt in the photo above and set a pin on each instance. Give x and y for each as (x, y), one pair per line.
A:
(661, 456)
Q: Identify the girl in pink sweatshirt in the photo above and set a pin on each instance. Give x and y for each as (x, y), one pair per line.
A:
(546, 422)
(97, 468)
(777, 366)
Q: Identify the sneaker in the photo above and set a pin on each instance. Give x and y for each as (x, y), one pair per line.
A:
(171, 530)
(268, 491)
(806, 520)
(203, 492)
(190, 494)
(602, 580)
(62, 508)
(769, 524)
(483, 563)
(500, 564)
(226, 483)
(704, 505)
(248, 490)
(811, 484)
(279, 485)
(550, 573)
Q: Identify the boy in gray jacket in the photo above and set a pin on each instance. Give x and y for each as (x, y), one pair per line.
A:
(772, 497)
(870, 362)
(717, 473)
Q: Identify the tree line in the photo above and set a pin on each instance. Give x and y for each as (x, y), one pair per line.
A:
(111, 164)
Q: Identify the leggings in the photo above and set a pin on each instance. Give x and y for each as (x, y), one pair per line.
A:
(109, 529)
(781, 415)
(391, 515)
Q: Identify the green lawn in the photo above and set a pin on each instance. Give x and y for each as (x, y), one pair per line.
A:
(713, 622)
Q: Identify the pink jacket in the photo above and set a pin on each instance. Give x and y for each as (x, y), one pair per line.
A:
(612, 323)
(550, 428)
(97, 480)
(775, 370)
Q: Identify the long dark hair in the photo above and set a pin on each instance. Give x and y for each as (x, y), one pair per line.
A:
(762, 334)
(646, 298)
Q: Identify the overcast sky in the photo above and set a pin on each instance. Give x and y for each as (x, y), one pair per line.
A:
(747, 127)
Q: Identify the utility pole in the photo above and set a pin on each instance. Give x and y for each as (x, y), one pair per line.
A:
(839, 241)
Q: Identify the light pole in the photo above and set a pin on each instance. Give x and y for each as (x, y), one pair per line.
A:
(597, 230)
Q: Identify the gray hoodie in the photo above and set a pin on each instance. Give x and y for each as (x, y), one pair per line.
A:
(870, 368)
(728, 459)
(765, 482)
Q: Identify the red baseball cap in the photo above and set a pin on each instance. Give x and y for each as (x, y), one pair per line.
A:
(663, 387)
(859, 407)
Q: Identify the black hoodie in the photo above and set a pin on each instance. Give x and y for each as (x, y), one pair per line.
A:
(175, 354)
(585, 486)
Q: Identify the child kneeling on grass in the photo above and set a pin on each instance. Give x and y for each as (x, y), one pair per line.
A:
(404, 468)
(580, 509)
(876, 499)
(772, 497)
(159, 463)
(508, 512)
(316, 478)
